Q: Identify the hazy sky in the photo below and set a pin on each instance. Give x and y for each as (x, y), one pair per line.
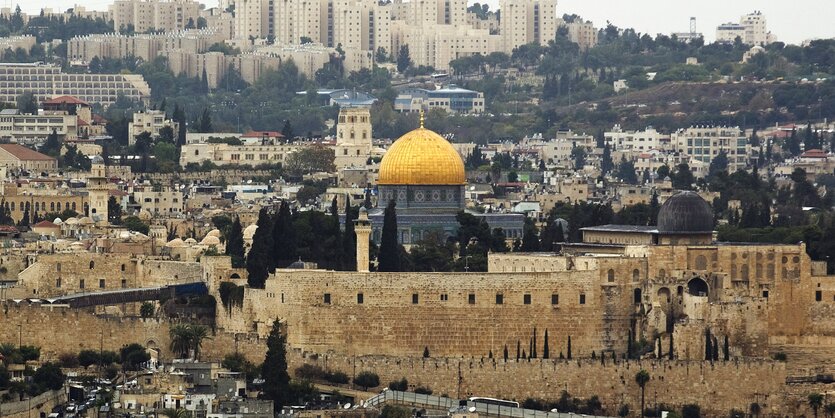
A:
(792, 21)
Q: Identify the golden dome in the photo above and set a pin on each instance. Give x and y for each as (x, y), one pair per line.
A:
(421, 157)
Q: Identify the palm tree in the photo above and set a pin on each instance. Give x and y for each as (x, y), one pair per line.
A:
(180, 339)
(830, 410)
(815, 402)
(755, 409)
(642, 377)
(197, 333)
(176, 413)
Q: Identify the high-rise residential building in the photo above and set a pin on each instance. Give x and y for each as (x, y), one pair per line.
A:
(355, 24)
(582, 32)
(254, 19)
(752, 29)
(437, 45)
(297, 19)
(159, 15)
(527, 21)
(46, 81)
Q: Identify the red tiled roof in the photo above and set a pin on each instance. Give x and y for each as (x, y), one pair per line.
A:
(8, 229)
(814, 153)
(25, 154)
(82, 122)
(45, 224)
(99, 119)
(66, 100)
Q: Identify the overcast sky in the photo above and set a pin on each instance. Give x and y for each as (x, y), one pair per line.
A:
(792, 21)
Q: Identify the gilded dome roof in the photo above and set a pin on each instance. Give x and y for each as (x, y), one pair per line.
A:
(421, 157)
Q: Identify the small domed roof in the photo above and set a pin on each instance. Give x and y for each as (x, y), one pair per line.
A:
(297, 265)
(213, 233)
(57, 221)
(144, 215)
(210, 240)
(685, 212)
(71, 221)
(249, 231)
(97, 159)
(175, 243)
(190, 241)
(85, 220)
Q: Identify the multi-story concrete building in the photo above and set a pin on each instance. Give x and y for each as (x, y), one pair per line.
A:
(14, 42)
(16, 157)
(751, 29)
(582, 32)
(151, 121)
(355, 24)
(437, 45)
(353, 137)
(24, 128)
(526, 21)
(704, 143)
(225, 154)
(46, 81)
(157, 15)
(297, 19)
(146, 46)
(451, 99)
(640, 141)
(159, 203)
(254, 19)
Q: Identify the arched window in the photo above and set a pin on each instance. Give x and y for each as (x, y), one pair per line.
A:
(92, 265)
(743, 272)
(610, 276)
(636, 274)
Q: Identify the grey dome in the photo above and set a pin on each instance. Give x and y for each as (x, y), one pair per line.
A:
(685, 212)
(97, 159)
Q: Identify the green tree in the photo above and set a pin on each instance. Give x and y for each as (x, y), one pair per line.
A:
(626, 171)
(389, 257)
(284, 237)
(276, 385)
(180, 339)
(367, 380)
(642, 378)
(114, 211)
(606, 163)
(310, 160)
(235, 244)
(133, 223)
(204, 123)
(147, 309)
(27, 104)
(381, 55)
(683, 178)
(48, 377)
(196, 335)
(132, 356)
(258, 259)
(52, 145)
(404, 61)
(815, 402)
(88, 357)
(176, 413)
(578, 157)
(530, 236)
(830, 410)
(691, 411)
(719, 164)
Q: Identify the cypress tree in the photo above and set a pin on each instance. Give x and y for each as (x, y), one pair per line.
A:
(235, 244)
(284, 237)
(337, 251)
(672, 356)
(258, 260)
(517, 350)
(389, 258)
(349, 239)
(505, 352)
(25, 220)
(545, 351)
(569, 347)
(530, 346)
(533, 349)
(629, 345)
(274, 370)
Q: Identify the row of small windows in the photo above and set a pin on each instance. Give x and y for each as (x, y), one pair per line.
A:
(82, 283)
(471, 298)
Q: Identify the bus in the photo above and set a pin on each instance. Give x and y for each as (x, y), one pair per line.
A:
(493, 401)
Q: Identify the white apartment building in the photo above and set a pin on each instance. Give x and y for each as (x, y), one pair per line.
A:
(437, 45)
(160, 203)
(527, 21)
(355, 24)
(703, 143)
(28, 129)
(640, 141)
(46, 81)
(151, 121)
(751, 29)
(14, 42)
(160, 15)
(297, 19)
(430, 12)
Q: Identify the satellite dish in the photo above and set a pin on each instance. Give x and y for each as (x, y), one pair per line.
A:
(471, 409)
(347, 406)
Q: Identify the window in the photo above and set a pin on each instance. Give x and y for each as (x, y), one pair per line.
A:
(636, 296)
(765, 294)
(81, 284)
(471, 299)
(499, 298)
(124, 284)
(636, 274)
(58, 282)
(582, 298)
(610, 275)
(526, 299)
(555, 299)
(101, 283)
(327, 298)
(818, 295)
(92, 265)
(123, 267)
(444, 297)
(414, 298)
(360, 298)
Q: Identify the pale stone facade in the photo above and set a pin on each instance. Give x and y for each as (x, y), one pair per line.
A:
(161, 15)
(526, 21)
(150, 121)
(353, 137)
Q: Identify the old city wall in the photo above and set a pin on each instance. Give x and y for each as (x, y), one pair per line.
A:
(717, 387)
(450, 314)
(61, 274)
(58, 329)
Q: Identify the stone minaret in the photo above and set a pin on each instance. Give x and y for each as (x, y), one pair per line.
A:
(362, 227)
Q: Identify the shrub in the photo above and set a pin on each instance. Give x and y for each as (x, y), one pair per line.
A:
(48, 377)
(691, 411)
(88, 357)
(133, 356)
(338, 378)
(68, 360)
(147, 309)
(367, 380)
(29, 352)
(309, 371)
(401, 385)
(109, 357)
(423, 390)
